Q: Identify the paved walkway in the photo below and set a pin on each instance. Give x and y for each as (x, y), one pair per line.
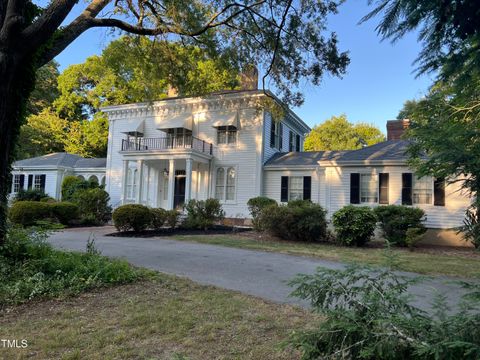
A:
(262, 274)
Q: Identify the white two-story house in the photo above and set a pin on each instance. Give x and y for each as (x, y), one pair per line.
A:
(164, 153)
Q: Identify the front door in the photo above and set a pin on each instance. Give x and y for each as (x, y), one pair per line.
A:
(179, 192)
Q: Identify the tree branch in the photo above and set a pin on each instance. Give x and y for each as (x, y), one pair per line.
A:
(13, 18)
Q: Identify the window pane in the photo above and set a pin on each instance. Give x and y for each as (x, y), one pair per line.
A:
(232, 137)
(368, 188)
(37, 182)
(422, 190)
(220, 184)
(16, 183)
(230, 184)
(295, 188)
(222, 136)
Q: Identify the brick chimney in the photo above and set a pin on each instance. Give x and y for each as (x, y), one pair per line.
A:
(396, 128)
(249, 78)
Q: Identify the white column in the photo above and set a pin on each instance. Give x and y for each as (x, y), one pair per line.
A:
(124, 181)
(188, 179)
(140, 181)
(171, 182)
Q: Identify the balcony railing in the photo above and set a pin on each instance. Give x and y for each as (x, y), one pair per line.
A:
(167, 143)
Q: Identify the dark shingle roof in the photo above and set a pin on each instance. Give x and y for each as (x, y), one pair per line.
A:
(61, 159)
(308, 158)
(392, 150)
(91, 163)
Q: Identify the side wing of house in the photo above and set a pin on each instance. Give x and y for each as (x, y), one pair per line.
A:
(47, 180)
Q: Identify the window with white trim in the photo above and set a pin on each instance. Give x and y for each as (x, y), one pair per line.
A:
(295, 188)
(368, 188)
(37, 182)
(422, 192)
(226, 135)
(16, 183)
(131, 183)
(225, 183)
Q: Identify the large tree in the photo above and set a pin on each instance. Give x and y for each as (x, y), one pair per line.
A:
(286, 39)
(337, 133)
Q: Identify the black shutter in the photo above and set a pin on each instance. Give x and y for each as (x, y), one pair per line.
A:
(297, 143)
(307, 187)
(22, 181)
(407, 188)
(30, 181)
(439, 192)
(272, 134)
(354, 188)
(42, 182)
(280, 136)
(290, 141)
(284, 189)
(383, 188)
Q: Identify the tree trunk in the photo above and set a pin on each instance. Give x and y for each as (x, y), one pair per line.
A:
(15, 85)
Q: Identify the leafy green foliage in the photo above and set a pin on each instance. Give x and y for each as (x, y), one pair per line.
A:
(298, 221)
(354, 225)
(202, 214)
(414, 236)
(159, 217)
(45, 91)
(368, 315)
(30, 268)
(30, 195)
(28, 213)
(395, 220)
(73, 184)
(256, 206)
(471, 225)
(93, 205)
(338, 133)
(134, 217)
(172, 218)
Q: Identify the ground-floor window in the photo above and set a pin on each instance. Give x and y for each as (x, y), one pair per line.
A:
(17, 185)
(295, 188)
(368, 188)
(131, 183)
(39, 182)
(422, 190)
(225, 184)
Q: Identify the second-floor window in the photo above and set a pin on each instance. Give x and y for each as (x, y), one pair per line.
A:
(276, 135)
(293, 142)
(226, 135)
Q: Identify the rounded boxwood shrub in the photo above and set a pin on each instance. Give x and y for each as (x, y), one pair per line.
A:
(203, 214)
(255, 206)
(297, 221)
(354, 225)
(159, 216)
(134, 217)
(26, 213)
(64, 211)
(395, 220)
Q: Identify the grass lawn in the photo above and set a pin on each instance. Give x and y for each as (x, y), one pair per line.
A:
(164, 317)
(452, 262)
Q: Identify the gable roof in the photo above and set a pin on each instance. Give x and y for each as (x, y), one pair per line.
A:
(61, 159)
(393, 151)
(307, 158)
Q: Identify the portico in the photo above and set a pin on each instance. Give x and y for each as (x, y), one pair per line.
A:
(167, 180)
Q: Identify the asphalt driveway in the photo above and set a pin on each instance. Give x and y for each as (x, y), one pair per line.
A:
(258, 273)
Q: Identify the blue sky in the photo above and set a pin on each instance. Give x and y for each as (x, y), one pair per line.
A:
(379, 79)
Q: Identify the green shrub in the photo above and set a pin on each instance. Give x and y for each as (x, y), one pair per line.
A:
(159, 216)
(29, 213)
(30, 268)
(255, 206)
(26, 213)
(395, 220)
(93, 206)
(413, 236)
(203, 214)
(31, 195)
(367, 313)
(297, 221)
(132, 217)
(72, 184)
(354, 225)
(172, 218)
(64, 211)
